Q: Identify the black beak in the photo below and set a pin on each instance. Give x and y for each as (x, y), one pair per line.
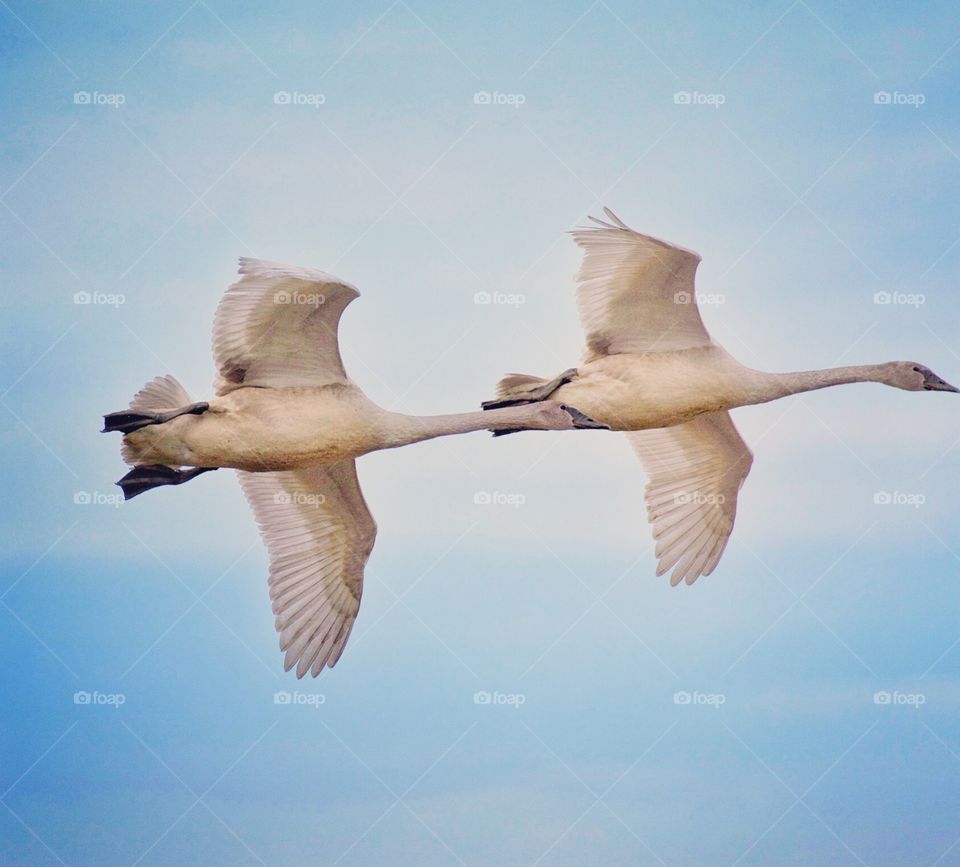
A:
(932, 382)
(583, 421)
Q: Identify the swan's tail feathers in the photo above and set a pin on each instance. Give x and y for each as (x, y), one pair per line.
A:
(518, 382)
(516, 389)
(160, 400)
(145, 478)
(162, 392)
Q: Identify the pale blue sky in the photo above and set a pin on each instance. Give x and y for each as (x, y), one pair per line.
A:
(805, 194)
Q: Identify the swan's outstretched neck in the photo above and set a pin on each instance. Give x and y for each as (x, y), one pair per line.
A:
(810, 380)
(425, 427)
(782, 384)
(539, 416)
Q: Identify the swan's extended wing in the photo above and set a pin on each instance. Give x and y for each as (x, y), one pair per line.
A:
(319, 534)
(695, 471)
(635, 293)
(277, 326)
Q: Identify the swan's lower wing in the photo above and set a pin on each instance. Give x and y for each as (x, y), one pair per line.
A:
(319, 534)
(695, 471)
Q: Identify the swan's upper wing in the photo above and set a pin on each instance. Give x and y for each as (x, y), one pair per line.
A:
(635, 293)
(277, 326)
(319, 534)
(695, 471)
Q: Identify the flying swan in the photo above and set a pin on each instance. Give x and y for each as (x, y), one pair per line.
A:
(287, 417)
(651, 368)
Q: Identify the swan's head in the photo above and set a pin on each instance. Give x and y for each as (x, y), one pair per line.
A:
(581, 421)
(911, 376)
(560, 416)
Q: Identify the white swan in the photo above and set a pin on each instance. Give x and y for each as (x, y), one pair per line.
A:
(288, 418)
(651, 368)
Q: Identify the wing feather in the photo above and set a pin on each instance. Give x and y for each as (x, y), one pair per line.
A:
(277, 327)
(636, 293)
(319, 534)
(695, 473)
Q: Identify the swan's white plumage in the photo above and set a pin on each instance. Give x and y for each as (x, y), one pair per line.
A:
(695, 471)
(319, 534)
(277, 327)
(160, 393)
(651, 369)
(635, 293)
(636, 297)
(290, 421)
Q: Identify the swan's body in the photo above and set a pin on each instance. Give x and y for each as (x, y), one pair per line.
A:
(636, 392)
(291, 422)
(632, 392)
(270, 429)
(651, 368)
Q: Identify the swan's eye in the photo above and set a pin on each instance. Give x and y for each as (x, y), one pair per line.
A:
(918, 370)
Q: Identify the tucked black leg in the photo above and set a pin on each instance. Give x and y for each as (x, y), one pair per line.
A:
(145, 478)
(128, 420)
(533, 395)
